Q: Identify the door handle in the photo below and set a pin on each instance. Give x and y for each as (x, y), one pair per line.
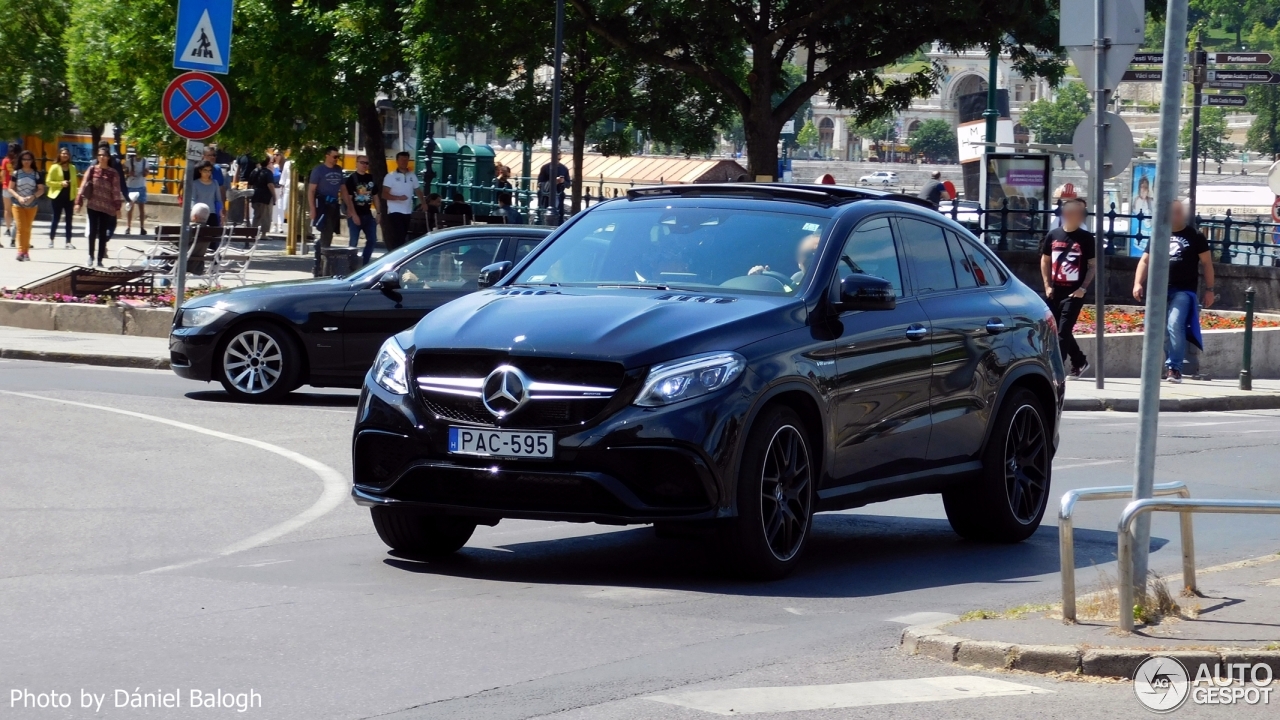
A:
(995, 326)
(916, 331)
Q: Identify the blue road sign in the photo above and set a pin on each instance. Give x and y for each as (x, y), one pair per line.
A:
(203, 39)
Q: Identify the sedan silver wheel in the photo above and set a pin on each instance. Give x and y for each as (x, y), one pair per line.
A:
(252, 362)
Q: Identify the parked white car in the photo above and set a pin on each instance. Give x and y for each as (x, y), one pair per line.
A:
(879, 177)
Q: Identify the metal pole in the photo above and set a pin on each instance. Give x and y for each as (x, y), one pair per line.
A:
(1197, 80)
(1167, 171)
(555, 115)
(526, 155)
(1100, 44)
(184, 237)
(992, 113)
(1246, 374)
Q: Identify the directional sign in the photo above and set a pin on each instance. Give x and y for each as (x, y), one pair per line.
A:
(1142, 76)
(203, 39)
(1251, 58)
(1150, 58)
(1227, 85)
(1226, 100)
(196, 105)
(1246, 76)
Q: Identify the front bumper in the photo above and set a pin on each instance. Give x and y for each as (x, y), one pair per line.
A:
(191, 349)
(636, 465)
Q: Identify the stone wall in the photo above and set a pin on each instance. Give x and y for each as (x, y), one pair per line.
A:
(80, 317)
(1223, 352)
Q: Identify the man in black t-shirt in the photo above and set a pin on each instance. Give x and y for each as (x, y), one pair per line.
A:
(263, 183)
(1188, 252)
(363, 188)
(934, 191)
(1067, 267)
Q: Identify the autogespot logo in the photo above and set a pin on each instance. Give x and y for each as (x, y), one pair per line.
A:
(1161, 683)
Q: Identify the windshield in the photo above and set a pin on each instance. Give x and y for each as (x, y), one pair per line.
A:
(683, 248)
(389, 261)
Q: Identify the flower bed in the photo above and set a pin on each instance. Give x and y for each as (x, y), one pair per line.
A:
(164, 300)
(1120, 320)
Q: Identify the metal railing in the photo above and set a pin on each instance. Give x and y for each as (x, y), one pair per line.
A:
(483, 197)
(1137, 508)
(1067, 539)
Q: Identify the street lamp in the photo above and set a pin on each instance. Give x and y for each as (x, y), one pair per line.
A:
(554, 174)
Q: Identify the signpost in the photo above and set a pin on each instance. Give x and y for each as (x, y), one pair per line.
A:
(195, 105)
(1265, 77)
(1244, 58)
(1226, 100)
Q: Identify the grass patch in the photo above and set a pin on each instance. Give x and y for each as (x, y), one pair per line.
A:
(1272, 646)
(1104, 603)
(1013, 613)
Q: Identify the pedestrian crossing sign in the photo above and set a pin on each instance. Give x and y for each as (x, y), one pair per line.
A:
(203, 40)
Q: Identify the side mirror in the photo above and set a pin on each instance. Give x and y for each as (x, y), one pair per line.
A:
(491, 274)
(866, 292)
(390, 280)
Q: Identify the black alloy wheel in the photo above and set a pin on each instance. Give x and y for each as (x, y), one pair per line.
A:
(775, 496)
(1007, 500)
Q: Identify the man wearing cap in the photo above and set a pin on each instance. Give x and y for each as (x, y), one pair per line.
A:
(135, 182)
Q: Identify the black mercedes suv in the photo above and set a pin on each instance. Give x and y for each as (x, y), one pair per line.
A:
(736, 356)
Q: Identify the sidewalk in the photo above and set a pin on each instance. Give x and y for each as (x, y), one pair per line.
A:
(84, 348)
(1121, 394)
(1233, 619)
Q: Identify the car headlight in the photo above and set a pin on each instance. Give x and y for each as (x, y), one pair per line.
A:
(390, 370)
(200, 316)
(689, 378)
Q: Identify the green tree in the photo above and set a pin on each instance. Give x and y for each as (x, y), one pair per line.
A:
(1054, 121)
(1213, 136)
(808, 135)
(740, 48)
(936, 140)
(1264, 100)
(34, 98)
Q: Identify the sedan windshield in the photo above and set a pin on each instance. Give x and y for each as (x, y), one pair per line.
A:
(694, 248)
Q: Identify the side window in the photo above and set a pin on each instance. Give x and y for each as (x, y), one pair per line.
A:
(985, 270)
(524, 247)
(960, 263)
(870, 250)
(452, 266)
(927, 245)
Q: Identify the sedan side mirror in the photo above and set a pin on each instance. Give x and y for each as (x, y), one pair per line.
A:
(866, 292)
(390, 280)
(491, 274)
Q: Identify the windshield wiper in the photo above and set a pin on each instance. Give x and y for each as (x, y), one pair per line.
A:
(636, 286)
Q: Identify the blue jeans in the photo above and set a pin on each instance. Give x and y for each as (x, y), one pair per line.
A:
(1175, 338)
(369, 226)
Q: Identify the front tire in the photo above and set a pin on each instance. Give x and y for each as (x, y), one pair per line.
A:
(419, 534)
(259, 362)
(1007, 501)
(775, 497)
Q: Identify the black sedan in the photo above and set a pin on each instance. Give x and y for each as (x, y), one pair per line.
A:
(264, 341)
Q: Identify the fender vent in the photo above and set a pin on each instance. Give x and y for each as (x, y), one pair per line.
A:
(696, 299)
(520, 291)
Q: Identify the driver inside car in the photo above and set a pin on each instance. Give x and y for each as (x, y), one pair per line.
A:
(805, 251)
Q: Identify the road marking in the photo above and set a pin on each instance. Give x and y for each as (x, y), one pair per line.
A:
(745, 701)
(264, 563)
(1087, 464)
(924, 618)
(335, 490)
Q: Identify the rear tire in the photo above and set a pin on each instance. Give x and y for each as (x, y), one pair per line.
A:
(416, 533)
(258, 362)
(775, 497)
(1006, 502)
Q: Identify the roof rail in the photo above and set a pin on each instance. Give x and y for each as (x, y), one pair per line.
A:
(826, 195)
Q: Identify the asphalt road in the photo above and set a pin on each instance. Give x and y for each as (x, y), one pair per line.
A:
(155, 537)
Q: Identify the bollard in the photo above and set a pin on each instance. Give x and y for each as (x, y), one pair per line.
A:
(1246, 377)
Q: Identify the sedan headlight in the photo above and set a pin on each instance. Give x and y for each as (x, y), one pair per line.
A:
(390, 370)
(201, 316)
(689, 378)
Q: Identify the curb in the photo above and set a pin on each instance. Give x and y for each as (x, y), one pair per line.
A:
(1264, 401)
(126, 361)
(931, 641)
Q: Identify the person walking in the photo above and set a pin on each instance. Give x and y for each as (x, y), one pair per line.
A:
(326, 189)
(398, 190)
(7, 165)
(135, 185)
(1067, 267)
(100, 192)
(61, 187)
(551, 193)
(363, 189)
(1188, 253)
(263, 182)
(26, 184)
(206, 190)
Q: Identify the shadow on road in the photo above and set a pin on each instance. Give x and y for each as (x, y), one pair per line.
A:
(849, 556)
(296, 399)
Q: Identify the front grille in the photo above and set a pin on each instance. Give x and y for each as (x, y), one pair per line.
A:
(479, 364)
(534, 414)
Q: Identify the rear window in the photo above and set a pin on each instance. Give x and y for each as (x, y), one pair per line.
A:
(683, 248)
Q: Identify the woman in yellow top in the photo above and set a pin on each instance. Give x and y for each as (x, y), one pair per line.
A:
(62, 187)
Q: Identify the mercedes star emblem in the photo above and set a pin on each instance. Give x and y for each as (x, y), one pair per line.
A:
(505, 390)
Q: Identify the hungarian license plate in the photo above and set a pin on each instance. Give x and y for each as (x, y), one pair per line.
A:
(501, 443)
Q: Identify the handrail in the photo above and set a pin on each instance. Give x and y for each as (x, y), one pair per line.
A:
(1137, 508)
(1067, 542)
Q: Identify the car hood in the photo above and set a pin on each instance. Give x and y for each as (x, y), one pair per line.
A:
(248, 297)
(635, 327)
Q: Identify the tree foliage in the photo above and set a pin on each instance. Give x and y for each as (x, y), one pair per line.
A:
(1213, 136)
(1054, 121)
(936, 140)
(1264, 100)
(34, 98)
